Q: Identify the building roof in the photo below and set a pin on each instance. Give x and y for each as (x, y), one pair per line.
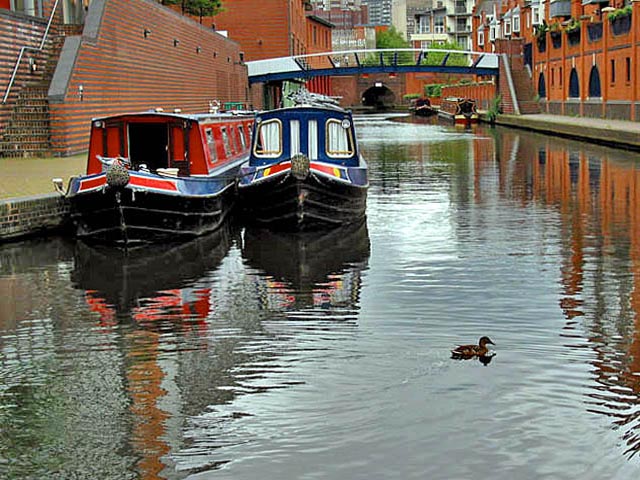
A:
(321, 20)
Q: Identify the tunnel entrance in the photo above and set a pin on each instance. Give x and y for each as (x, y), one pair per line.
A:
(378, 96)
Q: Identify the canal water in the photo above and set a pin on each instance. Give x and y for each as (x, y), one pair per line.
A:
(250, 354)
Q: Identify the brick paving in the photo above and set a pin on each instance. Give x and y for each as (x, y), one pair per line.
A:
(25, 177)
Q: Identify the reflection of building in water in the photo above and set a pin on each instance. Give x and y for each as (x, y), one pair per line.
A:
(598, 201)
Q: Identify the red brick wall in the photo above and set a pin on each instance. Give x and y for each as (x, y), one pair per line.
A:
(17, 31)
(318, 41)
(124, 71)
(483, 93)
(262, 27)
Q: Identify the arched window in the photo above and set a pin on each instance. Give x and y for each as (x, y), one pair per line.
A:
(542, 86)
(574, 85)
(594, 83)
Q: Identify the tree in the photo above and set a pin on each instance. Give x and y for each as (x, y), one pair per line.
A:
(198, 8)
(391, 38)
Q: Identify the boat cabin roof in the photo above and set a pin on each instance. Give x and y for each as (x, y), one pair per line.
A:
(196, 117)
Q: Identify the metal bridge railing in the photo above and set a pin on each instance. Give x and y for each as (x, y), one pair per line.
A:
(403, 57)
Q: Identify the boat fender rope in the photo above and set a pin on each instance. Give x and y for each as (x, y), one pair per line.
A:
(300, 166)
(117, 175)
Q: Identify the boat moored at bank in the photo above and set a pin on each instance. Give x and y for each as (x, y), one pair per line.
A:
(153, 175)
(305, 170)
(458, 110)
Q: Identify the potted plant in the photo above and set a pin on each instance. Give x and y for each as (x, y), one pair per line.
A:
(556, 35)
(620, 20)
(573, 31)
(541, 36)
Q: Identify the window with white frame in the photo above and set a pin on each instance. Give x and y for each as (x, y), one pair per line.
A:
(425, 24)
(425, 44)
(516, 23)
(507, 27)
(535, 12)
(492, 31)
(438, 24)
(481, 37)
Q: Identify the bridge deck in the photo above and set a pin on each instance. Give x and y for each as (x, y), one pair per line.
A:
(355, 62)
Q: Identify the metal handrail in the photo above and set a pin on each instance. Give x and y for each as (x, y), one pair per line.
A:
(33, 49)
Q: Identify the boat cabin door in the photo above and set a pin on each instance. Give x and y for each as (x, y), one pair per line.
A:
(149, 145)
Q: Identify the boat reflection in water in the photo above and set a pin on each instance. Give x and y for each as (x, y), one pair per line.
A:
(308, 269)
(152, 282)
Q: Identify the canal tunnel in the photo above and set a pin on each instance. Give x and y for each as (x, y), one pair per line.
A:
(378, 96)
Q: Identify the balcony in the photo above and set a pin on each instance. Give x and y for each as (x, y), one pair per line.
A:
(560, 8)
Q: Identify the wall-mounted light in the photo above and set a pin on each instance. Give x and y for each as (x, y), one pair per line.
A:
(241, 55)
(176, 42)
(146, 32)
(215, 54)
(81, 91)
(259, 41)
(198, 49)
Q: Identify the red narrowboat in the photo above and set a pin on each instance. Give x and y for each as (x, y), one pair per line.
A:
(155, 176)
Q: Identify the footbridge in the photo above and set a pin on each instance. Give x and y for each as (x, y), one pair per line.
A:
(354, 62)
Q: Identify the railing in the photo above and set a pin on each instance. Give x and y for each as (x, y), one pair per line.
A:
(373, 61)
(31, 49)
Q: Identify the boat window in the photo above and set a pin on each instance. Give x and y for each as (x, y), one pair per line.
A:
(225, 142)
(211, 143)
(313, 139)
(269, 139)
(339, 142)
(294, 130)
(243, 140)
(234, 139)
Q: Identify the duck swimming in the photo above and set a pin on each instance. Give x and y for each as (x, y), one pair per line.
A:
(469, 351)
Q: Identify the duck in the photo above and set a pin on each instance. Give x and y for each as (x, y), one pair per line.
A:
(469, 351)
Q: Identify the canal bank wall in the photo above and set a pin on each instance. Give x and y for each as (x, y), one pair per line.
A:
(615, 133)
(35, 215)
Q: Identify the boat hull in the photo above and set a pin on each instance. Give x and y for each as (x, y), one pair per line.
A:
(459, 119)
(314, 202)
(129, 216)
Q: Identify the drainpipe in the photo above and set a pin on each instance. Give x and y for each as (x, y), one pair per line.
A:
(289, 32)
(635, 19)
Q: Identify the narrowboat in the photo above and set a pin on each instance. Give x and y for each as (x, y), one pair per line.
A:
(422, 107)
(153, 176)
(305, 170)
(459, 111)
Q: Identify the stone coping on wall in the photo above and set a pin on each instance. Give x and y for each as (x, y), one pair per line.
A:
(617, 133)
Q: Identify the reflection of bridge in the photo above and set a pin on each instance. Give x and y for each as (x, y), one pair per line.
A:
(354, 62)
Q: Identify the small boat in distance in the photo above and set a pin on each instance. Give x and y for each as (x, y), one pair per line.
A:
(153, 176)
(422, 107)
(305, 170)
(459, 111)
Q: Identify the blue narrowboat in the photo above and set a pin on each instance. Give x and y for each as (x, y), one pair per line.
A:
(155, 176)
(305, 170)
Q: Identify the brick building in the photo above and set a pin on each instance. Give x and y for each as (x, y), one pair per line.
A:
(583, 58)
(126, 55)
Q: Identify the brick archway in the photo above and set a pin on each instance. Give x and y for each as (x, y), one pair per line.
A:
(353, 88)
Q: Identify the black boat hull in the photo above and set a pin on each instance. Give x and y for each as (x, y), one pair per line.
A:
(125, 217)
(312, 203)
